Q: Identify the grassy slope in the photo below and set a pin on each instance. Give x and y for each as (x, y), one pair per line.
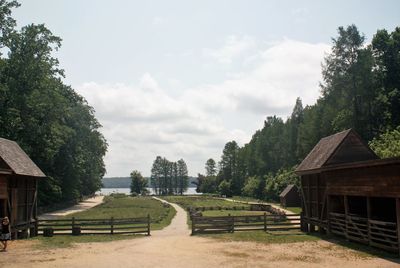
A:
(121, 207)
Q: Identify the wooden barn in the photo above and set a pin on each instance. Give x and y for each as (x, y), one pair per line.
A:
(348, 191)
(290, 196)
(18, 188)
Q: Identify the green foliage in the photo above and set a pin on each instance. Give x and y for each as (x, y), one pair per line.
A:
(224, 188)
(275, 184)
(254, 187)
(138, 183)
(207, 184)
(387, 144)
(48, 119)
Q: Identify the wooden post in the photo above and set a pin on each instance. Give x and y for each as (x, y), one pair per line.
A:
(148, 224)
(368, 218)
(265, 221)
(232, 223)
(398, 223)
(193, 218)
(73, 224)
(112, 225)
(328, 208)
(346, 211)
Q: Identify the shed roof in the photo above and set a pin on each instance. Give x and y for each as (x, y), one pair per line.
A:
(323, 153)
(18, 161)
(287, 190)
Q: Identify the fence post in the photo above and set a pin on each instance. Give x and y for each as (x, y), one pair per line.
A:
(112, 225)
(232, 222)
(73, 224)
(193, 224)
(265, 221)
(148, 224)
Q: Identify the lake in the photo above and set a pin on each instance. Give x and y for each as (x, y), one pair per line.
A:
(108, 191)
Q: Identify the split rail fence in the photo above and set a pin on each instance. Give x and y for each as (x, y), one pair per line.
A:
(375, 233)
(93, 226)
(265, 222)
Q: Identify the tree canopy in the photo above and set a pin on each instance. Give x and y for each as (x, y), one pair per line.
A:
(49, 120)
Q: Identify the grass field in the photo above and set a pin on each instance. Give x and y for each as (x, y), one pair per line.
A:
(265, 238)
(296, 210)
(231, 212)
(117, 207)
(200, 201)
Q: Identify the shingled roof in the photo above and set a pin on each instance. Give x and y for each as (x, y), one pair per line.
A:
(18, 161)
(328, 148)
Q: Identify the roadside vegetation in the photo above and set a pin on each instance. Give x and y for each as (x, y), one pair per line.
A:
(118, 206)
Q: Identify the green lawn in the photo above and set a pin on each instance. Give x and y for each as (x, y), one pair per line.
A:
(121, 207)
(200, 201)
(117, 207)
(231, 212)
(263, 237)
(295, 210)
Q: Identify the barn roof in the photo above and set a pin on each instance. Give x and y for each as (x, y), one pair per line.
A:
(18, 161)
(287, 190)
(346, 146)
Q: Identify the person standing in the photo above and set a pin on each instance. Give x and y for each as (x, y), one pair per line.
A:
(5, 232)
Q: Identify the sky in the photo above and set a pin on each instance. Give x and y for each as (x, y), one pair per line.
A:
(181, 78)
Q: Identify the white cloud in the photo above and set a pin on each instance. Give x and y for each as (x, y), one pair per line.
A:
(234, 47)
(157, 21)
(144, 120)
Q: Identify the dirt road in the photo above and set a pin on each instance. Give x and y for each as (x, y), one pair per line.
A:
(84, 205)
(174, 247)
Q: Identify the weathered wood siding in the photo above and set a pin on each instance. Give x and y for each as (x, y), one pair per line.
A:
(379, 181)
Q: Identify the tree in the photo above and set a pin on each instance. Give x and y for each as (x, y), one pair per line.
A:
(51, 122)
(138, 183)
(228, 170)
(183, 178)
(387, 144)
(211, 168)
(224, 188)
(254, 187)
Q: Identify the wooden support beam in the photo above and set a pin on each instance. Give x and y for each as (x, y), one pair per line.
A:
(368, 218)
(398, 223)
(346, 212)
(328, 207)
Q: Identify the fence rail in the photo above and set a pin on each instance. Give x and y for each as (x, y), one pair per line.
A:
(93, 226)
(376, 233)
(216, 224)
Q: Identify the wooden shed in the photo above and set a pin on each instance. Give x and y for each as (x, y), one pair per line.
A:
(18, 188)
(290, 196)
(348, 191)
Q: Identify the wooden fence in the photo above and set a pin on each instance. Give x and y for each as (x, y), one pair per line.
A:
(216, 224)
(375, 233)
(93, 226)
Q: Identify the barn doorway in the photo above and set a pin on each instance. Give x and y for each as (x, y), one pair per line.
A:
(3, 208)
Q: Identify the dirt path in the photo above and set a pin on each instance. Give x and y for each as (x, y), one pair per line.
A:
(174, 247)
(84, 205)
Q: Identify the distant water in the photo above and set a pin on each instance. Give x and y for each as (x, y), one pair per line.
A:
(108, 191)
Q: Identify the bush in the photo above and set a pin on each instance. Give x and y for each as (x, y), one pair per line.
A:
(225, 188)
